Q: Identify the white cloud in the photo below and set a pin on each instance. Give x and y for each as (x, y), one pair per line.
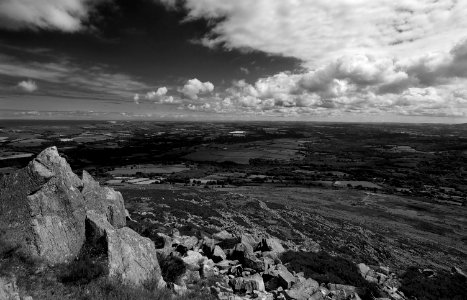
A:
(28, 85)
(156, 95)
(194, 87)
(136, 98)
(430, 85)
(64, 15)
(319, 31)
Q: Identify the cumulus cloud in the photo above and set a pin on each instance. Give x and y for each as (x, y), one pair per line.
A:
(321, 30)
(28, 86)
(64, 15)
(160, 96)
(152, 95)
(429, 85)
(194, 87)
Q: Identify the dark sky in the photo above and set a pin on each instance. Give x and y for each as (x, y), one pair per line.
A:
(265, 59)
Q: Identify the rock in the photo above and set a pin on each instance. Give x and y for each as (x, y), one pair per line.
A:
(271, 244)
(8, 289)
(250, 239)
(179, 290)
(97, 226)
(272, 255)
(458, 271)
(218, 254)
(268, 263)
(132, 258)
(193, 260)
(384, 270)
(337, 287)
(364, 269)
(242, 250)
(248, 284)
(103, 200)
(208, 270)
(43, 210)
(304, 290)
(214, 252)
(184, 243)
(226, 264)
(286, 279)
(279, 276)
(222, 235)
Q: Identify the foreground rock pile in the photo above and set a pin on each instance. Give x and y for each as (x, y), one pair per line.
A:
(50, 213)
(246, 267)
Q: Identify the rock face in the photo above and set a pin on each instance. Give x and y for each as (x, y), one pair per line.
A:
(103, 200)
(43, 210)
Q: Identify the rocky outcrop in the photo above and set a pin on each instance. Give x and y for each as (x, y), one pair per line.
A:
(43, 210)
(47, 211)
(103, 200)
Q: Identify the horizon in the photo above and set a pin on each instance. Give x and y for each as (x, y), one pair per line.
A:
(226, 121)
(269, 60)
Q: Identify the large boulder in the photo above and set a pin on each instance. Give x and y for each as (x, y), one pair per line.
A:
(43, 210)
(103, 200)
(132, 258)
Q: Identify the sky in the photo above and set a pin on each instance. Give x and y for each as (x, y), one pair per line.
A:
(303, 60)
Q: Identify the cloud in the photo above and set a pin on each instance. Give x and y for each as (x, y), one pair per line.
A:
(136, 98)
(63, 15)
(194, 87)
(428, 85)
(160, 96)
(66, 78)
(28, 86)
(162, 91)
(320, 31)
(244, 70)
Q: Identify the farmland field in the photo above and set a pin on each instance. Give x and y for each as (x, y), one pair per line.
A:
(241, 153)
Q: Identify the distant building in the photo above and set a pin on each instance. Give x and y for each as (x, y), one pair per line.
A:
(237, 133)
